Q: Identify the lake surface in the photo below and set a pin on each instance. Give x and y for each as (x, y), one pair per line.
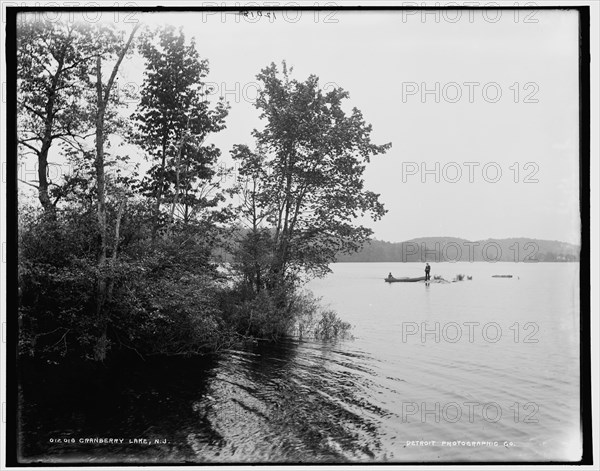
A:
(480, 370)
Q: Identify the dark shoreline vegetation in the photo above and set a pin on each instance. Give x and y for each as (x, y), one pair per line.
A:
(114, 260)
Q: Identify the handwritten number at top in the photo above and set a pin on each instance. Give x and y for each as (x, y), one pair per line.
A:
(258, 14)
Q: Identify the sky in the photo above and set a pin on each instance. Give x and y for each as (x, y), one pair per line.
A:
(481, 108)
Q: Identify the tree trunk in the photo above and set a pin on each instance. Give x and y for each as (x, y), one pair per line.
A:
(100, 350)
(161, 182)
(282, 243)
(186, 213)
(177, 163)
(43, 183)
(43, 186)
(113, 259)
(257, 252)
(104, 278)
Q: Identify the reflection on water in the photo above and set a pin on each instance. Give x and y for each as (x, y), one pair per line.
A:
(489, 366)
(280, 405)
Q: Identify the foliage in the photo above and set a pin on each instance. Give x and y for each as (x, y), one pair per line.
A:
(56, 284)
(307, 175)
(163, 295)
(174, 119)
(287, 312)
(312, 321)
(112, 261)
(55, 92)
(52, 65)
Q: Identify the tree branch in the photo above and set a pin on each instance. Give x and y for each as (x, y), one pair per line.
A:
(30, 184)
(117, 65)
(22, 142)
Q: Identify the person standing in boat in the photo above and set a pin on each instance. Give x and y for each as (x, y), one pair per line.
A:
(427, 270)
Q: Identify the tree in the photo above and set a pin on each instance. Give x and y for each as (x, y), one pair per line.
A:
(254, 252)
(104, 286)
(57, 63)
(174, 119)
(53, 59)
(313, 156)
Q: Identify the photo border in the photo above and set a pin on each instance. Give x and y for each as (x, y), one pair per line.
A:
(585, 273)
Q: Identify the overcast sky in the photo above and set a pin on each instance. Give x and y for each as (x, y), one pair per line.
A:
(385, 60)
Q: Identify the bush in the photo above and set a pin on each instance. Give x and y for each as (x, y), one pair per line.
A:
(293, 314)
(264, 315)
(165, 297)
(174, 314)
(312, 321)
(162, 295)
(56, 287)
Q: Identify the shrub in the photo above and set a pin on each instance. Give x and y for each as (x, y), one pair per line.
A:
(312, 321)
(293, 314)
(164, 297)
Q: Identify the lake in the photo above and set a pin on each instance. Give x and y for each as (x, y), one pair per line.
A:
(478, 370)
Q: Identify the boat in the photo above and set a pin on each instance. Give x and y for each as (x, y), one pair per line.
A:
(502, 276)
(391, 279)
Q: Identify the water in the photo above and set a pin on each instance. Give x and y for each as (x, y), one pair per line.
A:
(524, 356)
(488, 366)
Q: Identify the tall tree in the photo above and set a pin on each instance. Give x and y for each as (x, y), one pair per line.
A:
(253, 255)
(174, 119)
(53, 61)
(314, 159)
(103, 94)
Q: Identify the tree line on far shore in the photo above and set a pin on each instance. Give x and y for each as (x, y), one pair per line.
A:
(452, 249)
(112, 259)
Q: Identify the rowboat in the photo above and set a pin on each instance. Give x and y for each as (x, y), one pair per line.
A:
(403, 280)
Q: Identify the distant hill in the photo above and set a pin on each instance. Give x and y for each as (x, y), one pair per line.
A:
(444, 249)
